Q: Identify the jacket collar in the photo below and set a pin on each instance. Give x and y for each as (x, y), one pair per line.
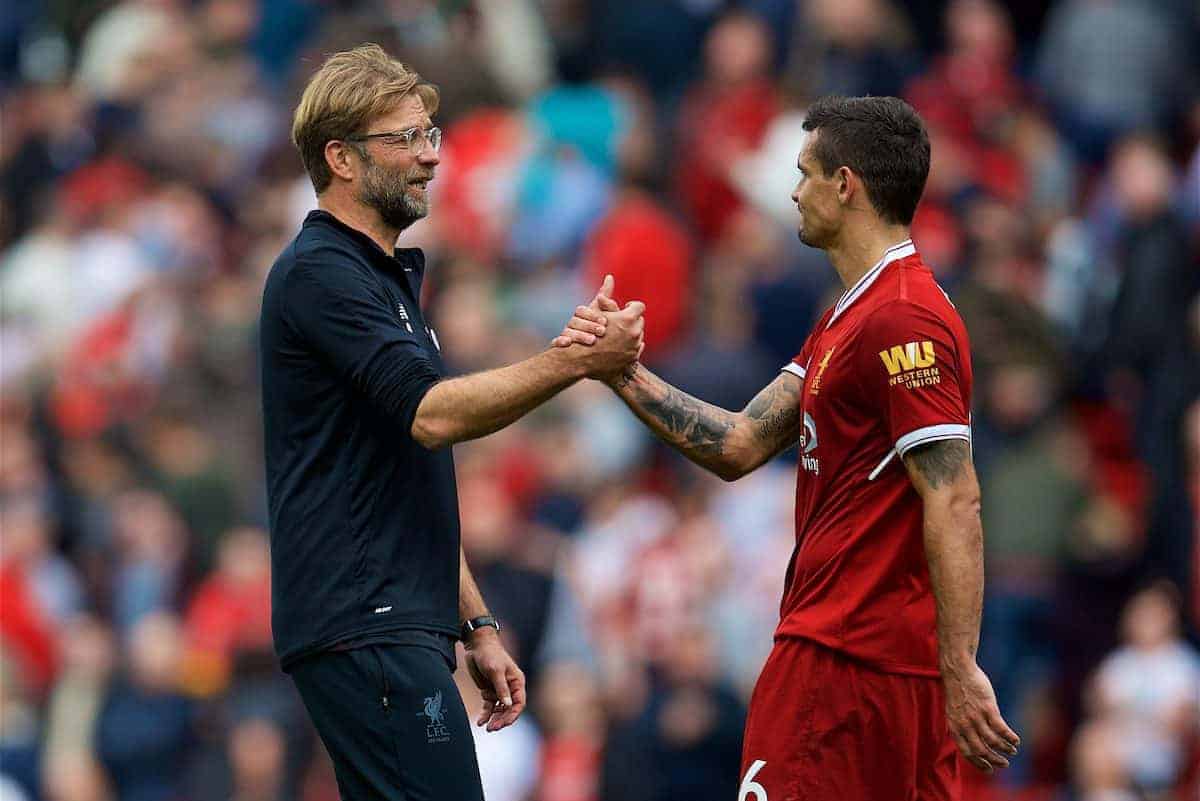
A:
(401, 259)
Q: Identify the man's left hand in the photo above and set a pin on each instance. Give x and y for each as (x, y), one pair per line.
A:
(500, 681)
(981, 734)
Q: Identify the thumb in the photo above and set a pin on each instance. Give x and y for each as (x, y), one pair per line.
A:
(635, 307)
(603, 300)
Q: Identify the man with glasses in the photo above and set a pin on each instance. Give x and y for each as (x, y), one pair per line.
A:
(369, 585)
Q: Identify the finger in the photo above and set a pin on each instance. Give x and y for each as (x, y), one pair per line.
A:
(583, 324)
(516, 682)
(607, 304)
(635, 307)
(561, 341)
(508, 714)
(509, 717)
(503, 718)
(606, 288)
(998, 725)
(979, 750)
(498, 718)
(591, 314)
(994, 740)
(981, 763)
(485, 712)
(965, 749)
(500, 683)
(575, 335)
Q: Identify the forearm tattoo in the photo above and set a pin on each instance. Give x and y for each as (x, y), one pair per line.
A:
(696, 425)
(627, 376)
(941, 462)
(776, 412)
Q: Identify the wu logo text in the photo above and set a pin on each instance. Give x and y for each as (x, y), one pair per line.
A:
(910, 356)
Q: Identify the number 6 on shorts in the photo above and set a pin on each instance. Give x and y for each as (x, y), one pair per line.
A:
(750, 789)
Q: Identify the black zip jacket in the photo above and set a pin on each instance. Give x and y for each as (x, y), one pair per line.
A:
(364, 520)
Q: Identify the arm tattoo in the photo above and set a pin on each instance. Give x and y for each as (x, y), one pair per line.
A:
(942, 461)
(697, 425)
(627, 376)
(775, 412)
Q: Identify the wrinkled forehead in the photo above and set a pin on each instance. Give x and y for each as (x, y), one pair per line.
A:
(408, 113)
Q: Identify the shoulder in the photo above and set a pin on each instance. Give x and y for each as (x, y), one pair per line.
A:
(1187, 658)
(312, 248)
(912, 297)
(899, 316)
(328, 263)
(308, 283)
(317, 246)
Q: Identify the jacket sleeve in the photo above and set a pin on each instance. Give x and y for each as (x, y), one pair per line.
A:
(346, 318)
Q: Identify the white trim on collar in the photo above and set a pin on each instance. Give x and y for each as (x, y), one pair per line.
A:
(900, 251)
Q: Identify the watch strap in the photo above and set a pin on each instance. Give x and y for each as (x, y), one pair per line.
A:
(469, 626)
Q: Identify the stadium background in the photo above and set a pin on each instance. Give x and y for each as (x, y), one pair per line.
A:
(148, 184)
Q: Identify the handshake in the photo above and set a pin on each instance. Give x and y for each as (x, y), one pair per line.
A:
(605, 339)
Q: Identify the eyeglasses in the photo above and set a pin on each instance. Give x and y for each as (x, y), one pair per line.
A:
(412, 140)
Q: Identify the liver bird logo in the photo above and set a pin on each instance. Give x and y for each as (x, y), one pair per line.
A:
(433, 709)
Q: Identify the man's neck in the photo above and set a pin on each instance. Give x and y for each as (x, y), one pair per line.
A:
(857, 251)
(361, 218)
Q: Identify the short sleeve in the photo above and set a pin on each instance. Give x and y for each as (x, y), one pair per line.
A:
(798, 366)
(347, 320)
(911, 363)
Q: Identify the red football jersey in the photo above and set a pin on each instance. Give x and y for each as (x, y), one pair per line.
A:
(884, 370)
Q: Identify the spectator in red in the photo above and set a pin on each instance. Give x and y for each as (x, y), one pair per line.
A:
(650, 257)
(231, 609)
(641, 244)
(972, 92)
(973, 87)
(573, 727)
(25, 631)
(724, 116)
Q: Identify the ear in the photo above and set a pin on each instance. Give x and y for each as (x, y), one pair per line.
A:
(846, 183)
(340, 158)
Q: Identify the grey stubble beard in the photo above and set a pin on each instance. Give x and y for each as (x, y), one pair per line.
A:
(388, 194)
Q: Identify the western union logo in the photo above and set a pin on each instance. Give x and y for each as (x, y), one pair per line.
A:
(911, 356)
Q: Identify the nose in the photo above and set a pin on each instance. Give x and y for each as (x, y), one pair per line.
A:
(429, 157)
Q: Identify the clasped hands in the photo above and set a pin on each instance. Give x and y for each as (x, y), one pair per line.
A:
(605, 338)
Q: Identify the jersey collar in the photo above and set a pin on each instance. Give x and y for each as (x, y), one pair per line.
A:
(406, 260)
(896, 252)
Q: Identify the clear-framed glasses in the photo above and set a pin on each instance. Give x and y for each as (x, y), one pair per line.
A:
(413, 140)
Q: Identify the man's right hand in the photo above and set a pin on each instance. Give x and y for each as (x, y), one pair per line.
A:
(589, 322)
(612, 337)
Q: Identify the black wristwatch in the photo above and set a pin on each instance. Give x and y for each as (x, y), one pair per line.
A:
(469, 626)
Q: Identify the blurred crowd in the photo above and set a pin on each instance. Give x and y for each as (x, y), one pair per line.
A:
(148, 183)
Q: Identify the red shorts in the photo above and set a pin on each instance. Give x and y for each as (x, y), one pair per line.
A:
(823, 727)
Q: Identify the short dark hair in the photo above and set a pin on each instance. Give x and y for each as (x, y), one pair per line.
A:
(883, 140)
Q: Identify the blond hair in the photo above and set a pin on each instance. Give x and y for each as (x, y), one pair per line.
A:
(350, 90)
